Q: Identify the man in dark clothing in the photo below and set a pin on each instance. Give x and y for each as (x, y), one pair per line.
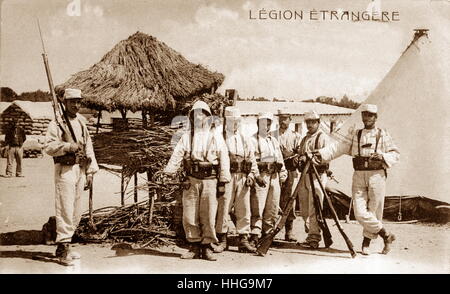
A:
(14, 139)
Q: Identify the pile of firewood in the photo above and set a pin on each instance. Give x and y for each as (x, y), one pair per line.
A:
(135, 150)
(142, 222)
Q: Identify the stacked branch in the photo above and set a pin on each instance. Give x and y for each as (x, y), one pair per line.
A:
(131, 223)
(135, 150)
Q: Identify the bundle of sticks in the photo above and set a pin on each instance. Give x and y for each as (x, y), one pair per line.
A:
(136, 222)
(135, 150)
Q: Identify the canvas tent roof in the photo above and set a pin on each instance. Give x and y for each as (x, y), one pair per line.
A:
(414, 106)
(35, 110)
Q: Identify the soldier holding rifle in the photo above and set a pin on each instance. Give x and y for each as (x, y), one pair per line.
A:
(289, 143)
(75, 165)
(313, 140)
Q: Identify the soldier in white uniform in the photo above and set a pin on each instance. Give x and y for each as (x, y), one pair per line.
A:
(314, 139)
(289, 144)
(207, 164)
(265, 197)
(243, 170)
(373, 152)
(75, 165)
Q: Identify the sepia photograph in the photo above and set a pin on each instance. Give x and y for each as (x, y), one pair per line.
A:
(225, 137)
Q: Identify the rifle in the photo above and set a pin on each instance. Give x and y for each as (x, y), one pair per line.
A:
(58, 107)
(59, 110)
(319, 216)
(264, 243)
(334, 214)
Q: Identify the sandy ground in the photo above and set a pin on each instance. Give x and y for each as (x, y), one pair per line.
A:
(26, 203)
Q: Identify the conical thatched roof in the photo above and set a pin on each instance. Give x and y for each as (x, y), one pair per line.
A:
(141, 73)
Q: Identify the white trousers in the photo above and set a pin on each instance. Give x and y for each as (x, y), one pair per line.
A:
(69, 185)
(368, 191)
(200, 210)
(237, 195)
(307, 204)
(264, 203)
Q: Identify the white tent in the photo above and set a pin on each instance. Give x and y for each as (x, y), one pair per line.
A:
(413, 103)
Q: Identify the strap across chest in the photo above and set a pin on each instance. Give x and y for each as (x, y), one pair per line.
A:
(376, 142)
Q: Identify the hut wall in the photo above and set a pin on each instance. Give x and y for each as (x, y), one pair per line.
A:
(37, 126)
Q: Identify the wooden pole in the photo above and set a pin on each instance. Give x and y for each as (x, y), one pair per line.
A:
(91, 206)
(123, 113)
(144, 118)
(135, 188)
(151, 201)
(98, 121)
(122, 192)
(152, 119)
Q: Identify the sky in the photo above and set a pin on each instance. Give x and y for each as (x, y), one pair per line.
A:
(288, 59)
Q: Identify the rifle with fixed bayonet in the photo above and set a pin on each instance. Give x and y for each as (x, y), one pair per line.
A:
(62, 119)
(59, 111)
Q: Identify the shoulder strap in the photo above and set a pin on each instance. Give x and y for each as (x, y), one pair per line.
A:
(243, 143)
(316, 143)
(302, 143)
(191, 140)
(359, 141)
(83, 135)
(258, 139)
(378, 139)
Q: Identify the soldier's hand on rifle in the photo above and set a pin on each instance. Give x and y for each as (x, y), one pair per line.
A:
(299, 160)
(260, 181)
(89, 181)
(315, 156)
(250, 182)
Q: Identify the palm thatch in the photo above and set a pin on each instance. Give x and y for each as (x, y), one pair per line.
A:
(142, 73)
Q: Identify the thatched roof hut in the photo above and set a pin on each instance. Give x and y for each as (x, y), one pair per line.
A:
(142, 73)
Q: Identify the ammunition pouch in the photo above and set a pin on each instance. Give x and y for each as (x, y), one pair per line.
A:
(72, 158)
(269, 167)
(201, 170)
(366, 163)
(290, 164)
(240, 167)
